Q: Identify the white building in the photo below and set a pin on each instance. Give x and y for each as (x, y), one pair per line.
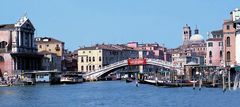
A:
(236, 19)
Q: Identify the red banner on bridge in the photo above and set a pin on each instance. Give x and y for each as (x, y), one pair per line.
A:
(137, 61)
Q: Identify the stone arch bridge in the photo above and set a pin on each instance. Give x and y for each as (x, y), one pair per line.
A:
(94, 75)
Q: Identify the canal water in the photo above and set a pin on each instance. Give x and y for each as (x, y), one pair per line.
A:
(114, 94)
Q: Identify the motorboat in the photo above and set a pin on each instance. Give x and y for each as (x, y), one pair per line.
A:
(71, 78)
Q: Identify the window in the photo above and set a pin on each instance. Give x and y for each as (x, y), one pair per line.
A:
(99, 66)
(50, 50)
(228, 27)
(83, 51)
(3, 44)
(220, 44)
(93, 67)
(210, 44)
(47, 45)
(210, 53)
(228, 42)
(86, 68)
(228, 56)
(221, 54)
(93, 59)
(82, 68)
(82, 59)
(90, 67)
(90, 59)
(1, 59)
(210, 61)
(40, 46)
(89, 51)
(100, 58)
(86, 59)
(57, 47)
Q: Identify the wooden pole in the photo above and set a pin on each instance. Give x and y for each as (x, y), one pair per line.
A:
(214, 76)
(223, 82)
(229, 80)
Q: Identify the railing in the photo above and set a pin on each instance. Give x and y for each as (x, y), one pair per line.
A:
(125, 62)
(107, 67)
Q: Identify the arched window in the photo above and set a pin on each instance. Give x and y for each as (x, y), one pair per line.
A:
(93, 67)
(90, 67)
(82, 68)
(82, 59)
(93, 59)
(228, 27)
(86, 68)
(99, 66)
(90, 59)
(1, 59)
(210, 53)
(228, 42)
(100, 58)
(3, 44)
(221, 54)
(228, 56)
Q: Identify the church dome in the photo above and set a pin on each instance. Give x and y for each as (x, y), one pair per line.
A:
(196, 38)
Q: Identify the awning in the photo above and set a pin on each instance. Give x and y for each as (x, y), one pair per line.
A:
(237, 68)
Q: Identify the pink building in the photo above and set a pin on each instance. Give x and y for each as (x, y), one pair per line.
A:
(159, 52)
(18, 51)
(214, 52)
(229, 43)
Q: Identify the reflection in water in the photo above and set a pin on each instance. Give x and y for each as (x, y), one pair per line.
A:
(114, 93)
(6, 92)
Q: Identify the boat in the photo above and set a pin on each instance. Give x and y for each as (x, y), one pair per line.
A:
(71, 78)
(128, 80)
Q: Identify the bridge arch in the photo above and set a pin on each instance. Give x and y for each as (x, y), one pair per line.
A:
(109, 68)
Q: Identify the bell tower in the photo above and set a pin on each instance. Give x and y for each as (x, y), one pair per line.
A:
(186, 34)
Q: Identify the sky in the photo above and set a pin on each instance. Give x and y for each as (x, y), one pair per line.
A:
(87, 22)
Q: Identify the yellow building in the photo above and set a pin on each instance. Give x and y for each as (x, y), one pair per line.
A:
(95, 57)
(52, 49)
(50, 44)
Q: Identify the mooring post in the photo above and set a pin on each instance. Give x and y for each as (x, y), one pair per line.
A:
(200, 81)
(229, 80)
(223, 82)
(194, 84)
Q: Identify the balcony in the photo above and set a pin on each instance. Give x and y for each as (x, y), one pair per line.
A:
(57, 48)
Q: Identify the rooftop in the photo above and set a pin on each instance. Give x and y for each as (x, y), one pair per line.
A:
(7, 26)
(47, 40)
(107, 47)
(217, 32)
(214, 39)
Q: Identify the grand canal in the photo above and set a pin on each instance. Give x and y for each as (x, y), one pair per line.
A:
(114, 94)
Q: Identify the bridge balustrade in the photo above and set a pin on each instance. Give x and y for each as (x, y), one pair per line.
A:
(109, 67)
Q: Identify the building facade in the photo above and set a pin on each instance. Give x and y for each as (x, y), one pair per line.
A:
(229, 43)
(70, 61)
(193, 48)
(51, 61)
(159, 51)
(18, 52)
(98, 56)
(236, 18)
(51, 45)
(53, 49)
(214, 50)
